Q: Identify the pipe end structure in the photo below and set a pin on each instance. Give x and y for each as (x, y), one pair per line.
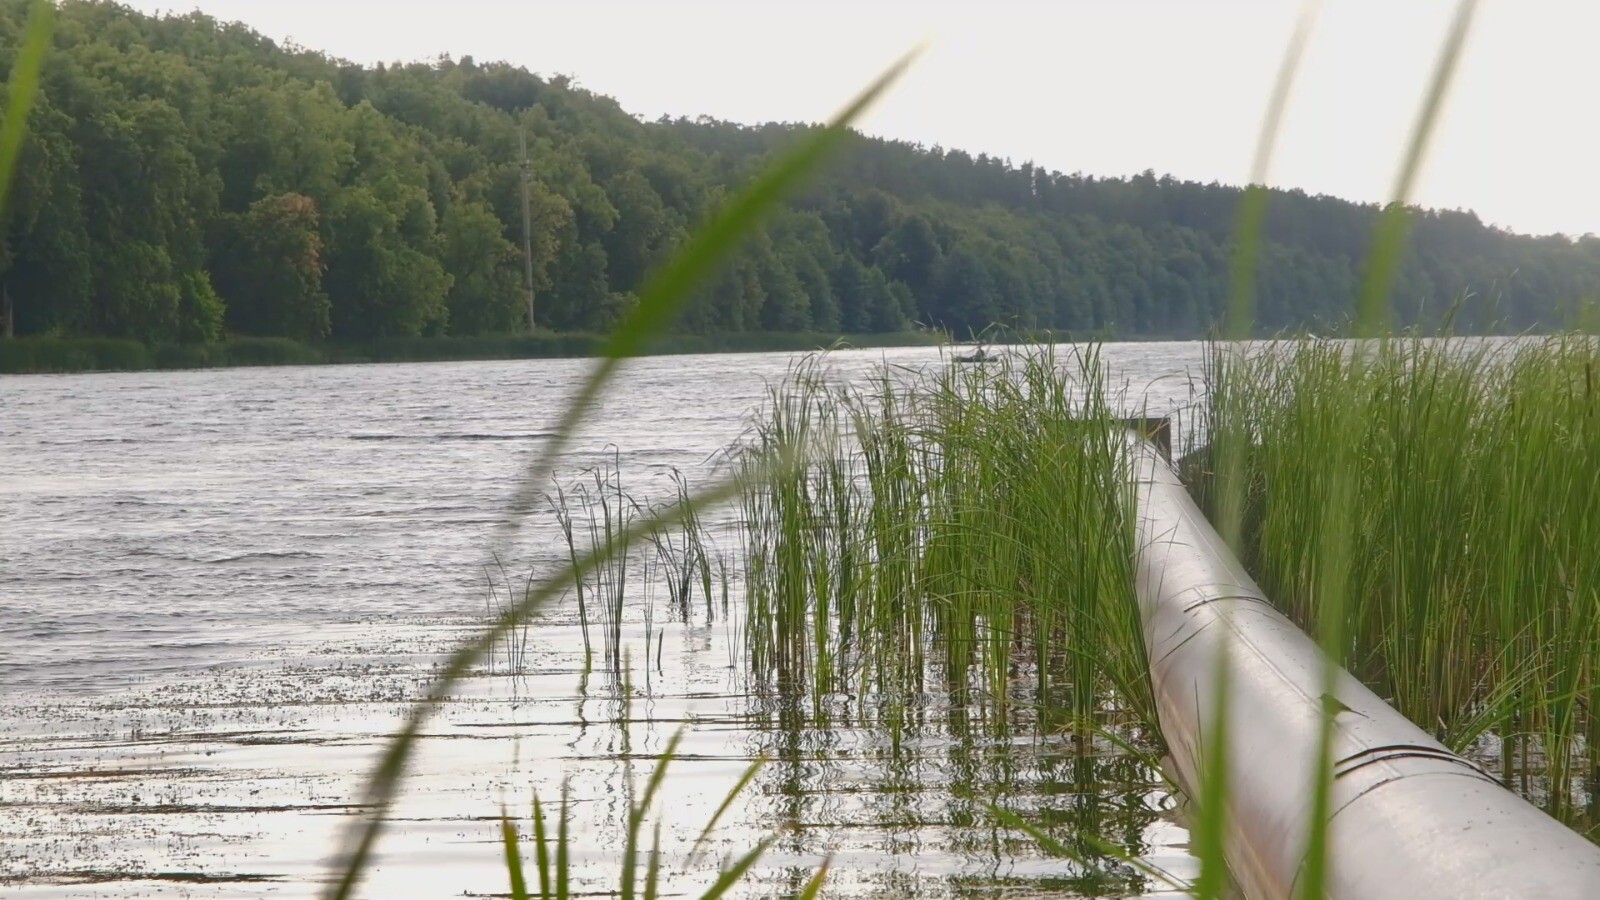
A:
(1411, 820)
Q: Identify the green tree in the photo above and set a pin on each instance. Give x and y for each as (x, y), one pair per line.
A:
(486, 294)
(643, 234)
(910, 253)
(379, 284)
(963, 296)
(580, 298)
(137, 293)
(46, 273)
(269, 268)
(200, 310)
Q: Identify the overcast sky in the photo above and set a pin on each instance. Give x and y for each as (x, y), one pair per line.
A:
(1103, 87)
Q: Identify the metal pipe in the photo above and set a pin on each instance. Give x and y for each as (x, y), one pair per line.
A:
(1411, 819)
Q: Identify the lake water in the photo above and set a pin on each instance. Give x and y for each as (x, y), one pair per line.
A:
(220, 589)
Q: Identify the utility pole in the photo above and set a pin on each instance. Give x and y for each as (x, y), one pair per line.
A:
(527, 232)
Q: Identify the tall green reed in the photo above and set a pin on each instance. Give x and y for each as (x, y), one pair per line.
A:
(968, 526)
(960, 540)
(1472, 586)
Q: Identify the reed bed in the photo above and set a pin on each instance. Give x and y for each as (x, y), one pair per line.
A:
(1472, 584)
(950, 564)
(964, 528)
(677, 553)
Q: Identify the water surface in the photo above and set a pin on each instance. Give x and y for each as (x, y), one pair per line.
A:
(220, 588)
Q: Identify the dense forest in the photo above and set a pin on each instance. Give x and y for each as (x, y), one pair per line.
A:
(186, 179)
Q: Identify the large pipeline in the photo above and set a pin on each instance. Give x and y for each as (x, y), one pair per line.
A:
(1411, 819)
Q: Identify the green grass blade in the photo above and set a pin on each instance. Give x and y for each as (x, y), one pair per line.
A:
(1246, 257)
(652, 878)
(564, 845)
(669, 289)
(666, 292)
(1337, 519)
(814, 886)
(508, 836)
(1389, 241)
(541, 847)
(22, 90)
(1253, 205)
(1151, 871)
(1211, 823)
(732, 874)
(653, 786)
(1048, 844)
(727, 802)
(382, 786)
(636, 814)
(1053, 847)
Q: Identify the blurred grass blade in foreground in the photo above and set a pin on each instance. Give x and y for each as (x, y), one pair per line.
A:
(22, 90)
(1389, 241)
(1246, 257)
(666, 292)
(661, 299)
(383, 785)
(1253, 205)
(1337, 522)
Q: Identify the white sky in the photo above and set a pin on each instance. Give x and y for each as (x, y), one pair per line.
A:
(1105, 87)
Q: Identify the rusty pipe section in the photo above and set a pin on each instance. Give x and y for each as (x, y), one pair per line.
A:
(1411, 819)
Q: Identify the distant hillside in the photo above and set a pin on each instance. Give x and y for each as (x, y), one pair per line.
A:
(187, 179)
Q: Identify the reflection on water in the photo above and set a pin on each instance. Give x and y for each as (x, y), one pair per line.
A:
(222, 587)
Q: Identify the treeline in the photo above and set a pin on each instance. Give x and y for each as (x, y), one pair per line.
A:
(185, 180)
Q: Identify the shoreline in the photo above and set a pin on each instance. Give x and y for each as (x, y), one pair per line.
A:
(60, 356)
(76, 355)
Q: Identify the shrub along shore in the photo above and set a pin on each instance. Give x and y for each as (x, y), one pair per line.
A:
(87, 354)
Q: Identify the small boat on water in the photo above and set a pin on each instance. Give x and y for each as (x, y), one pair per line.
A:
(979, 354)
